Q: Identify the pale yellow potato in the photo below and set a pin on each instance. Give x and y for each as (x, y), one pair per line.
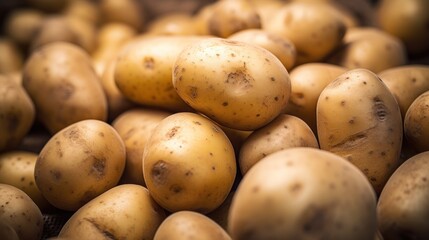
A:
(124, 212)
(307, 82)
(359, 119)
(238, 85)
(189, 164)
(11, 57)
(63, 85)
(19, 212)
(188, 225)
(79, 163)
(201, 19)
(135, 127)
(314, 28)
(22, 25)
(286, 131)
(416, 123)
(406, 83)
(130, 12)
(303, 193)
(403, 204)
(266, 9)
(281, 47)
(173, 24)
(143, 71)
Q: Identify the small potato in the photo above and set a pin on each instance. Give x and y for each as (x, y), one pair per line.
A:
(416, 123)
(124, 212)
(173, 24)
(22, 25)
(188, 225)
(359, 119)
(11, 58)
(286, 131)
(19, 212)
(303, 193)
(201, 19)
(307, 82)
(83, 9)
(403, 205)
(130, 12)
(79, 163)
(189, 164)
(238, 85)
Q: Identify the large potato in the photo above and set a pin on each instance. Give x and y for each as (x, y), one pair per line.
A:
(416, 123)
(303, 193)
(79, 163)
(238, 85)
(61, 81)
(123, 212)
(189, 163)
(359, 119)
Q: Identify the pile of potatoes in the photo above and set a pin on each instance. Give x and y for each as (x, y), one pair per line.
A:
(227, 119)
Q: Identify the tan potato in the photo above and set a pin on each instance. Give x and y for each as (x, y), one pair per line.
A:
(359, 119)
(303, 193)
(189, 164)
(123, 212)
(22, 25)
(173, 24)
(416, 123)
(188, 225)
(406, 83)
(238, 85)
(135, 127)
(201, 19)
(220, 214)
(281, 47)
(314, 28)
(79, 163)
(130, 12)
(266, 9)
(19, 212)
(286, 131)
(65, 89)
(85, 32)
(85, 10)
(307, 82)
(11, 58)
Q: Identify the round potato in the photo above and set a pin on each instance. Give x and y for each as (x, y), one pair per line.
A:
(188, 225)
(11, 58)
(416, 123)
(79, 163)
(359, 119)
(124, 212)
(238, 85)
(299, 193)
(286, 131)
(7, 231)
(189, 164)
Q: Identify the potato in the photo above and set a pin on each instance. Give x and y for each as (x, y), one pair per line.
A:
(314, 28)
(266, 9)
(85, 32)
(79, 163)
(19, 212)
(123, 212)
(303, 193)
(370, 48)
(416, 123)
(11, 58)
(307, 82)
(135, 127)
(22, 25)
(143, 71)
(201, 19)
(188, 225)
(130, 12)
(359, 119)
(61, 81)
(238, 85)
(83, 9)
(281, 47)
(286, 131)
(188, 164)
(17, 113)
(406, 83)
(403, 204)
(17, 169)
(407, 21)
(7, 232)
(173, 24)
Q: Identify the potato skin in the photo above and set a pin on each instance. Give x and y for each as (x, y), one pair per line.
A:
(298, 193)
(238, 85)
(79, 163)
(189, 163)
(416, 124)
(11, 58)
(359, 119)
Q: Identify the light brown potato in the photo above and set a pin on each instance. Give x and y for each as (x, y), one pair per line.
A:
(79, 163)
(63, 85)
(303, 193)
(188, 225)
(286, 131)
(173, 24)
(403, 203)
(201, 19)
(130, 12)
(123, 212)
(237, 84)
(416, 123)
(359, 119)
(23, 24)
(11, 58)
(84, 9)
(189, 164)
(135, 127)
(85, 32)
(266, 9)
(307, 82)
(19, 212)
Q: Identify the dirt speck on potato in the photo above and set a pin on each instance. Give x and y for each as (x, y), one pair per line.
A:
(170, 134)
(107, 233)
(64, 91)
(379, 109)
(149, 62)
(240, 79)
(314, 219)
(160, 171)
(98, 166)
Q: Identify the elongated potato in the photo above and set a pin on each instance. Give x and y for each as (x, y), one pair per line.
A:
(416, 123)
(359, 119)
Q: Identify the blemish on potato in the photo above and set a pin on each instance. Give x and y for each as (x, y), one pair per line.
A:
(98, 166)
(56, 174)
(101, 134)
(225, 104)
(159, 172)
(64, 91)
(175, 189)
(148, 62)
(213, 168)
(295, 187)
(170, 134)
(193, 92)
(314, 219)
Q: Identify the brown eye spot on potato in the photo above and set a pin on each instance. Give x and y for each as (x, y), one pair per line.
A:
(160, 171)
(225, 104)
(56, 174)
(64, 91)
(170, 134)
(104, 232)
(379, 109)
(296, 187)
(98, 166)
(193, 92)
(240, 79)
(148, 62)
